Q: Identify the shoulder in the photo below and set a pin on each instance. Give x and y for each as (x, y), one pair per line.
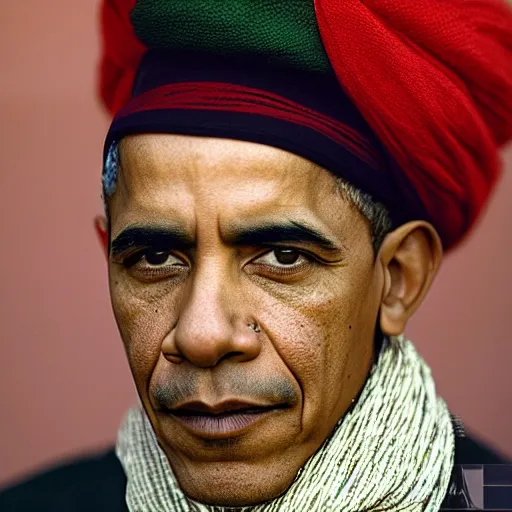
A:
(90, 483)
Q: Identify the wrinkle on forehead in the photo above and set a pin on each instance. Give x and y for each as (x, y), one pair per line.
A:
(192, 178)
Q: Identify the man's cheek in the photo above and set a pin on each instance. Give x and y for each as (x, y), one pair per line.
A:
(298, 340)
(142, 330)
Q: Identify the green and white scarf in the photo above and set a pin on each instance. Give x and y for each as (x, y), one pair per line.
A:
(392, 451)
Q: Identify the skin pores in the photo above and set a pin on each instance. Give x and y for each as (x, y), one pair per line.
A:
(211, 237)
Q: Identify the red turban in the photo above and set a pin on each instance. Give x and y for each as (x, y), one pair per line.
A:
(433, 79)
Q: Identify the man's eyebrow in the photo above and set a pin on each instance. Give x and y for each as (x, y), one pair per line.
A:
(280, 232)
(149, 236)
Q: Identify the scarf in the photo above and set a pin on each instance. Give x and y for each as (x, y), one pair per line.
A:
(392, 451)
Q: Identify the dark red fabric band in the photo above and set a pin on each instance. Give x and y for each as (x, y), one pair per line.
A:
(237, 98)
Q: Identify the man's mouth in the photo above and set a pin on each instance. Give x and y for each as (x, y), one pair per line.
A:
(222, 420)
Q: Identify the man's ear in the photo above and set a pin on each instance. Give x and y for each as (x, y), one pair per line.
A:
(410, 257)
(100, 226)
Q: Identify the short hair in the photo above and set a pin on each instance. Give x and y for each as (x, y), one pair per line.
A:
(374, 212)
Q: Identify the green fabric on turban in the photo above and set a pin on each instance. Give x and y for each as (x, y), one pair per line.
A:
(284, 32)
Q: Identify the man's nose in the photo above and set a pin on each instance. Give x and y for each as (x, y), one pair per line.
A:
(214, 324)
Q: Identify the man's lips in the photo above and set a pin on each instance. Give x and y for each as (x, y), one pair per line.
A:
(221, 420)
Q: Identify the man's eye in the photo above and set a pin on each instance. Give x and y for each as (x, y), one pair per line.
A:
(153, 265)
(159, 258)
(282, 258)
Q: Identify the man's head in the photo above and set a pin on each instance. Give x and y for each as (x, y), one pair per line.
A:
(247, 292)
(249, 278)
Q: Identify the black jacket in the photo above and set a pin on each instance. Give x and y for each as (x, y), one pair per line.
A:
(98, 483)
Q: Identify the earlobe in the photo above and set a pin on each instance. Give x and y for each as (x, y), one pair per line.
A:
(410, 256)
(100, 226)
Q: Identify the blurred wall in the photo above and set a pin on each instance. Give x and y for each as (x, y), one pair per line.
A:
(64, 382)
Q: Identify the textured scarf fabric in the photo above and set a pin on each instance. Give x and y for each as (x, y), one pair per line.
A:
(392, 451)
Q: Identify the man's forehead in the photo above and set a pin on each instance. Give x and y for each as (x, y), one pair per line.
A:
(233, 184)
(160, 170)
(216, 157)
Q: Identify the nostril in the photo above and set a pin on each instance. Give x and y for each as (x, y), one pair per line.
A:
(174, 358)
(206, 340)
(231, 355)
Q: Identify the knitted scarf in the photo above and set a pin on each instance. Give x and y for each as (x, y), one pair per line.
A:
(392, 451)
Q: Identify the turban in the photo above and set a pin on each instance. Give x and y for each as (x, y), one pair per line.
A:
(408, 100)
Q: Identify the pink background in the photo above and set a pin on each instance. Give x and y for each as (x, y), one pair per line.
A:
(63, 377)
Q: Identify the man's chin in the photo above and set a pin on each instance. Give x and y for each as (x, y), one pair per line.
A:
(235, 484)
(237, 462)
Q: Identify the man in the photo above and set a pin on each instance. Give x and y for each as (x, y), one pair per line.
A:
(280, 180)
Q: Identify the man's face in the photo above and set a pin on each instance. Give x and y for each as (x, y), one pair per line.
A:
(246, 294)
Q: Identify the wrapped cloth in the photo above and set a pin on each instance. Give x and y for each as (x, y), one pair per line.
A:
(421, 104)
